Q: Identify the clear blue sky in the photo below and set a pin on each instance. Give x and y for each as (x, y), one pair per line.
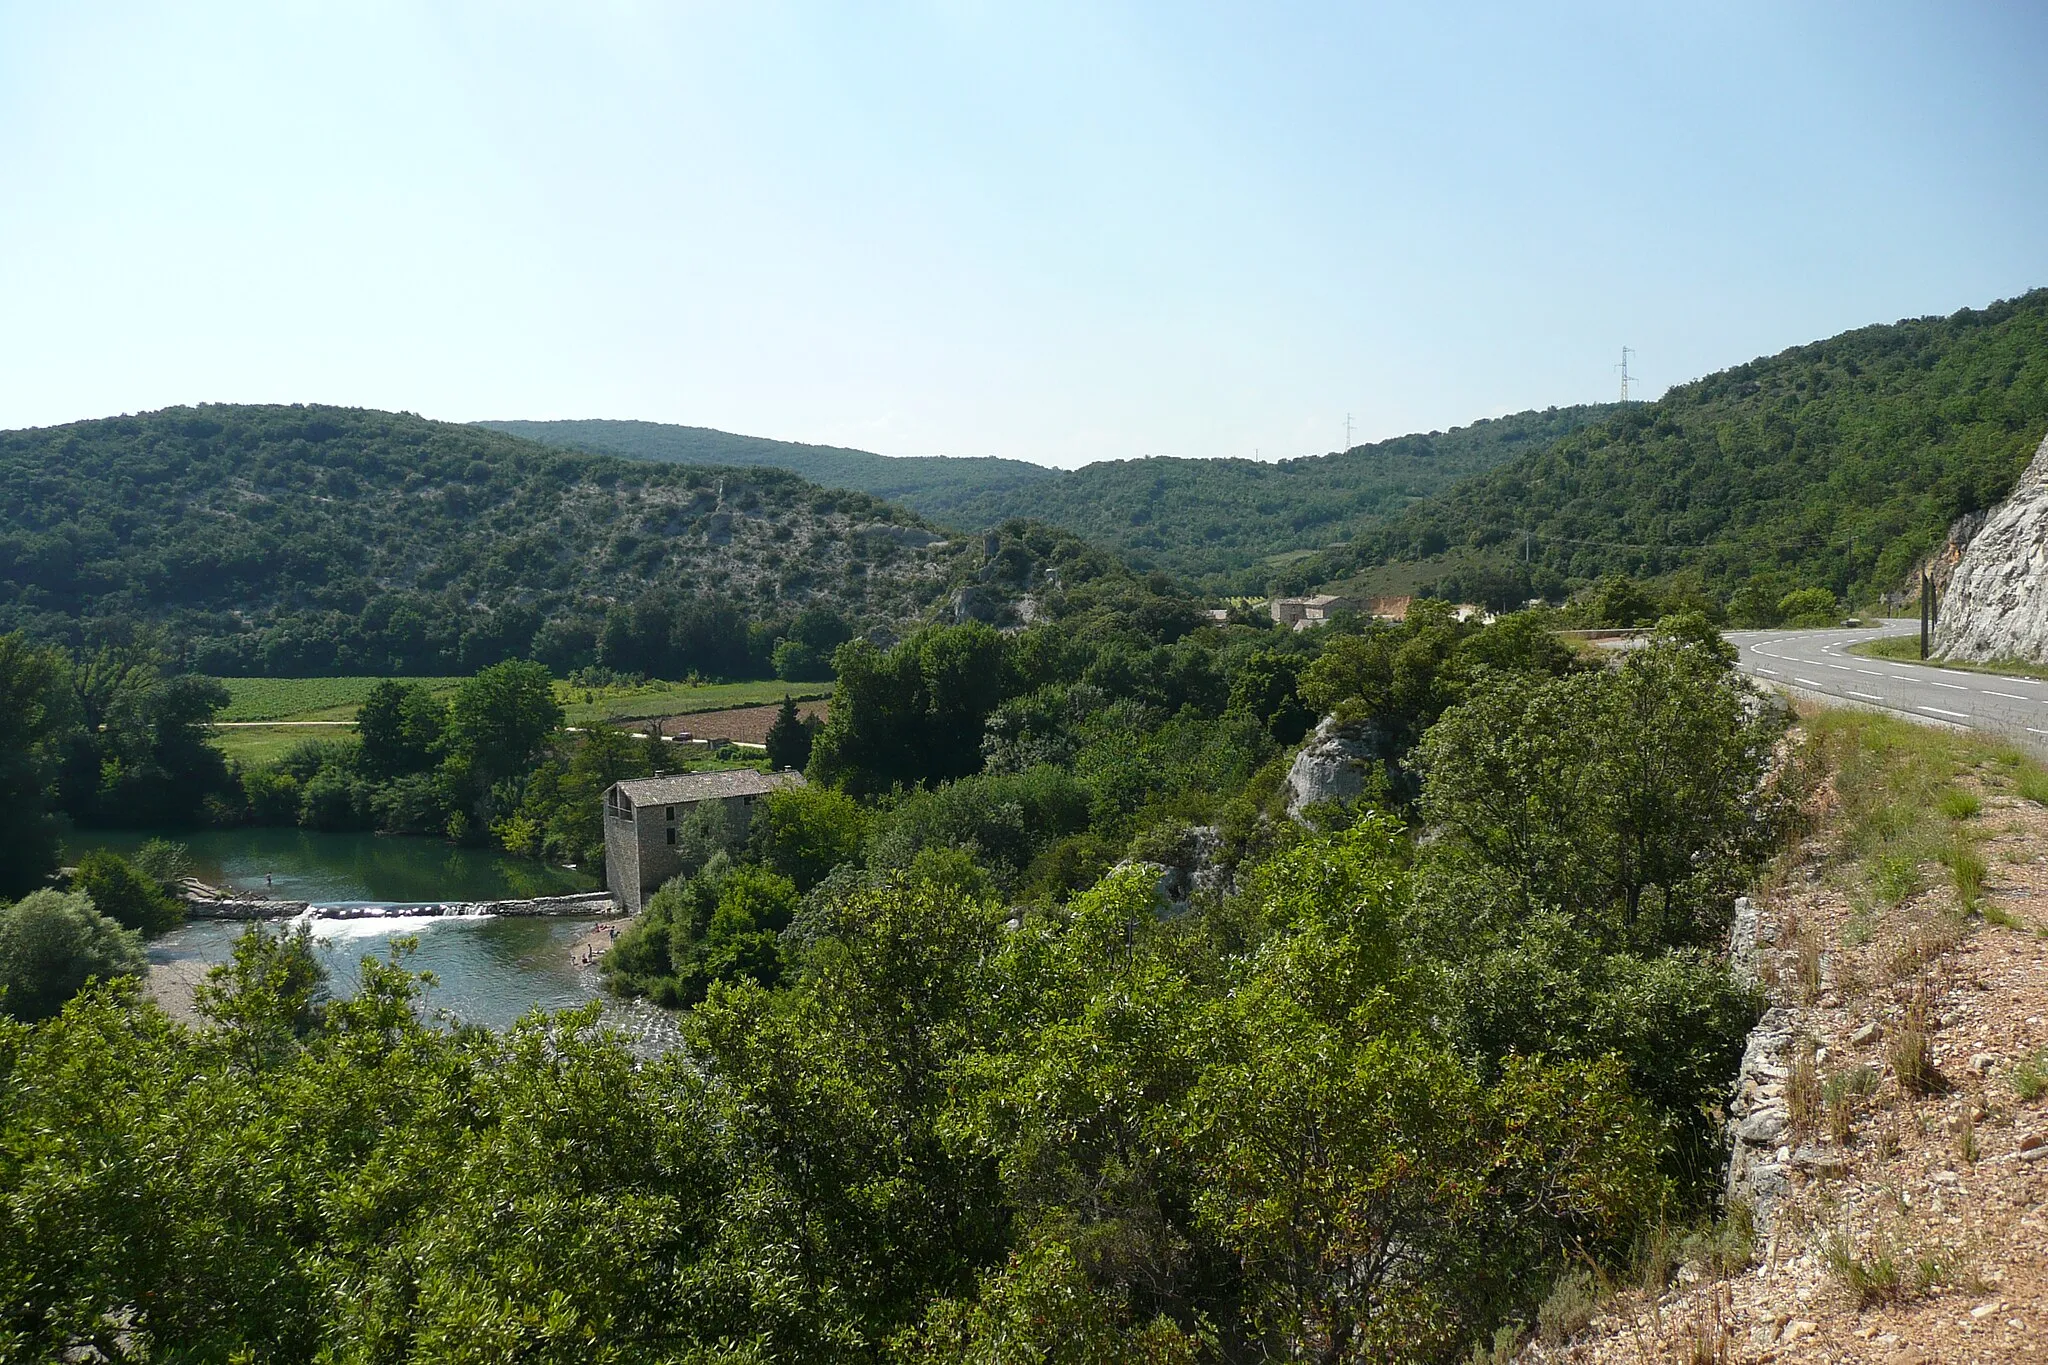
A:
(1059, 233)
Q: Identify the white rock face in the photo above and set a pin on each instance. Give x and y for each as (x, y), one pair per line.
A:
(1330, 767)
(1997, 602)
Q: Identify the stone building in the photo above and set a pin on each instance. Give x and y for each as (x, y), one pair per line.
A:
(1302, 612)
(642, 813)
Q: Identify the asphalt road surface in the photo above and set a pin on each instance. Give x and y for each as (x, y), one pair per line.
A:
(1819, 661)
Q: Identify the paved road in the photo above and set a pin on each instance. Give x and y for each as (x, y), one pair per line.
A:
(1820, 661)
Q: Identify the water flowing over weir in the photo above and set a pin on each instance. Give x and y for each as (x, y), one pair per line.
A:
(498, 934)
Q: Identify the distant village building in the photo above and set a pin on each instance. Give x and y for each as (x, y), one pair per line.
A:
(1303, 612)
(641, 816)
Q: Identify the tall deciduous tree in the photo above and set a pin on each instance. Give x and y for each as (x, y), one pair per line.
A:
(913, 714)
(499, 720)
(34, 717)
(400, 726)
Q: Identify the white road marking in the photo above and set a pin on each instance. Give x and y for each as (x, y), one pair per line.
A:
(1842, 668)
(1959, 715)
(1870, 673)
(1771, 671)
(2009, 696)
(1953, 687)
(2032, 731)
(1865, 696)
(1808, 681)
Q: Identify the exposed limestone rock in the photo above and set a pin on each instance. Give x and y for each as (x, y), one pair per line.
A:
(975, 604)
(1332, 766)
(1997, 601)
(1759, 1119)
(1188, 868)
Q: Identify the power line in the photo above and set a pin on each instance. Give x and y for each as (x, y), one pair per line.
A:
(1626, 352)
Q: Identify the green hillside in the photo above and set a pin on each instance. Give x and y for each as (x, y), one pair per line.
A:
(297, 540)
(929, 484)
(1840, 463)
(1221, 523)
(1216, 523)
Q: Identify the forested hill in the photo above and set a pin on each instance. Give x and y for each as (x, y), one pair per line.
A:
(929, 484)
(315, 539)
(1216, 523)
(1839, 463)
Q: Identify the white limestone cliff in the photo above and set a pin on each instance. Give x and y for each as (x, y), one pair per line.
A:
(1996, 606)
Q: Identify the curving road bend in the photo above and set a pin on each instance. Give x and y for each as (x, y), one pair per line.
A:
(1819, 662)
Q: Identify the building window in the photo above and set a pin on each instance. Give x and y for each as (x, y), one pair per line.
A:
(671, 836)
(671, 817)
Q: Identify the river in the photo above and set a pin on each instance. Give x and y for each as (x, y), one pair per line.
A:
(488, 970)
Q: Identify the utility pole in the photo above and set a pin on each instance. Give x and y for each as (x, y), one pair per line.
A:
(1926, 609)
(1626, 352)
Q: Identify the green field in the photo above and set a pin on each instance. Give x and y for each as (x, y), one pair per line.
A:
(306, 698)
(255, 745)
(676, 699)
(290, 699)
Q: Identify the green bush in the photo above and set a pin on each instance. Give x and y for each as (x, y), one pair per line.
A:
(413, 804)
(1810, 607)
(163, 862)
(52, 945)
(118, 891)
(805, 832)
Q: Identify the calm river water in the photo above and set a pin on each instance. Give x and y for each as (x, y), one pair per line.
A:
(489, 970)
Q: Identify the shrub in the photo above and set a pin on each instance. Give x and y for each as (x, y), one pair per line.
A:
(1809, 607)
(1570, 1305)
(52, 945)
(120, 892)
(164, 863)
(805, 832)
(272, 795)
(413, 804)
(333, 799)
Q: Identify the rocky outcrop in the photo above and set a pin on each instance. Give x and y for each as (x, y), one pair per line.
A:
(1996, 606)
(1192, 866)
(1333, 766)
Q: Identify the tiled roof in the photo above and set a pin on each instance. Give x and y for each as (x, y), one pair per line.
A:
(683, 788)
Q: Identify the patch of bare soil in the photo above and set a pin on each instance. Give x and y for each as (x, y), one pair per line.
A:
(1915, 1229)
(743, 725)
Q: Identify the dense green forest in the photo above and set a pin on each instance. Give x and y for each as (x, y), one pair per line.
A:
(296, 540)
(1213, 523)
(1839, 464)
(1037, 1026)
